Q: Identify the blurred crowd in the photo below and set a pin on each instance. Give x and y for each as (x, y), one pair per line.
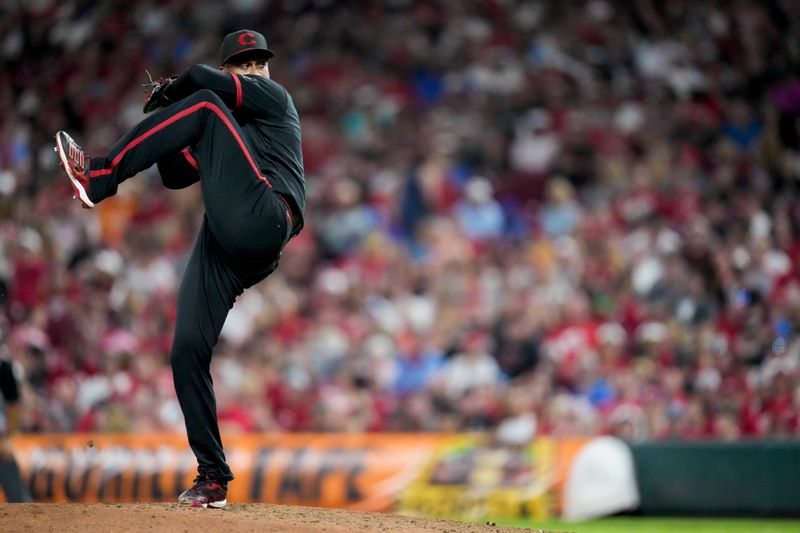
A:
(525, 216)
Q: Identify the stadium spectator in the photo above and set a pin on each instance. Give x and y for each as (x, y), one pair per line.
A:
(606, 191)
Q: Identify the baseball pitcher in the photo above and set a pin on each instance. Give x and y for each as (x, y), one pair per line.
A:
(236, 132)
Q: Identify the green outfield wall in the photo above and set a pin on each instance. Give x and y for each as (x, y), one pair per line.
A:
(732, 479)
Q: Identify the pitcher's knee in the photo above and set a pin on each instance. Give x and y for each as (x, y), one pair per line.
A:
(207, 95)
(186, 354)
(179, 357)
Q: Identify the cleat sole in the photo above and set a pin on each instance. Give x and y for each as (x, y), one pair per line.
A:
(75, 183)
(214, 505)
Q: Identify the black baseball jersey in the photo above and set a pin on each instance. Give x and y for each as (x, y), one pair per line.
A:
(269, 121)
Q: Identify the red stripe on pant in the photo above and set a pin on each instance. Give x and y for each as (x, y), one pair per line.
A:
(190, 158)
(174, 118)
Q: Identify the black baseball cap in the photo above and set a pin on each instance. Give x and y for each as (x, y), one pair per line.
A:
(242, 41)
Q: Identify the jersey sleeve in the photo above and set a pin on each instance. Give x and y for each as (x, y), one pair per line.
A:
(259, 96)
(199, 77)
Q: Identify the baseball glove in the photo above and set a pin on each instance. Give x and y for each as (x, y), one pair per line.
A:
(154, 93)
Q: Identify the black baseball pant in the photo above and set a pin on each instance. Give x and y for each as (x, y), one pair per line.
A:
(244, 229)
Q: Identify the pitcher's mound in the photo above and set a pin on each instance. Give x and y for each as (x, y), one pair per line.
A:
(235, 518)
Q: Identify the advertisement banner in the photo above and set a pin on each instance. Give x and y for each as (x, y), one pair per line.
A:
(473, 477)
(438, 475)
(359, 472)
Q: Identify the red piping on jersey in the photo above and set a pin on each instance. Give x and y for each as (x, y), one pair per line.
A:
(238, 84)
(190, 158)
(174, 118)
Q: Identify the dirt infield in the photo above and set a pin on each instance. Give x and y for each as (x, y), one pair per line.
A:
(235, 518)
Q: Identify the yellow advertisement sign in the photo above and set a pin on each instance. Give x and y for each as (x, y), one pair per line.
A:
(471, 477)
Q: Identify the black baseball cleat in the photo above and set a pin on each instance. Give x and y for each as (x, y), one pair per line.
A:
(75, 162)
(207, 491)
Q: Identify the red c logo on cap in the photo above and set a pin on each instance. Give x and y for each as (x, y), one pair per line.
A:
(247, 39)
